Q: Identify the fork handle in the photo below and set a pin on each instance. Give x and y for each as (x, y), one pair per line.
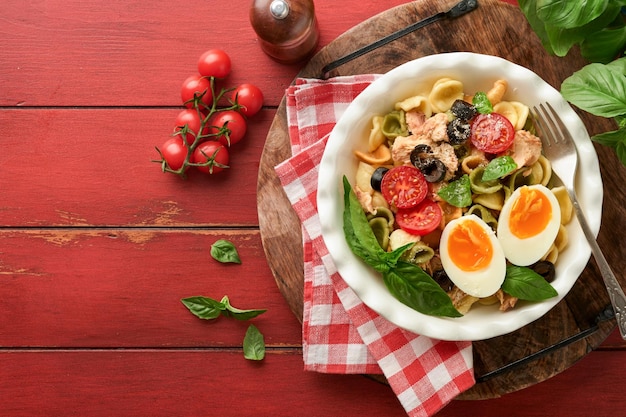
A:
(616, 294)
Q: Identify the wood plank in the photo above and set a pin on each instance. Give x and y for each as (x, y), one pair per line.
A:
(190, 383)
(122, 288)
(93, 167)
(53, 52)
(197, 382)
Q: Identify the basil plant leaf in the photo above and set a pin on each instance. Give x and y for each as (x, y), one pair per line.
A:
(499, 167)
(225, 251)
(457, 193)
(603, 46)
(415, 288)
(568, 13)
(482, 103)
(529, 8)
(253, 344)
(237, 313)
(597, 89)
(204, 307)
(526, 284)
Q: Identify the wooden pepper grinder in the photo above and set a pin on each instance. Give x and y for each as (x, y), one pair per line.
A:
(287, 29)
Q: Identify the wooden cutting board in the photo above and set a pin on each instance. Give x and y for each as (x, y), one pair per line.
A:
(495, 28)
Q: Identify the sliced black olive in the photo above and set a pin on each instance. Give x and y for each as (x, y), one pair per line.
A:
(458, 131)
(419, 153)
(463, 110)
(377, 177)
(422, 158)
(443, 280)
(545, 269)
(433, 169)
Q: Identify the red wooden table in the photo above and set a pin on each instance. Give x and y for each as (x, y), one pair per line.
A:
(98, 246)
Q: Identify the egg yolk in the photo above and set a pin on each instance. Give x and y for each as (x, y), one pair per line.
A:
(530, 213)
(469, 247)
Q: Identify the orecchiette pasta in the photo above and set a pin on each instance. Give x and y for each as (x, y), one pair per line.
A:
(444, 92)
(376, 137)
(415, 103)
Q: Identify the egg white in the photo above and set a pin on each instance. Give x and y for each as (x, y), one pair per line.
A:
(480, 283)
(524, 252)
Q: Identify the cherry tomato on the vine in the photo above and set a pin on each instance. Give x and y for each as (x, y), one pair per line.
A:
(231, 120)
(214, 63)
(421, 219)
(249, 97)
(193, 120)
(196, 85)
(174, 152)
(404, 186)
(212, 152)
(492, 133)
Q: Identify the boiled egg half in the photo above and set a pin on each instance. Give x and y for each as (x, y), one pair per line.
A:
(472, 256)
(528, 224)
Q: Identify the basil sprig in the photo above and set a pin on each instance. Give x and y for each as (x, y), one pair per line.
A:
(209, 309)
(526, 284)
(405, 281)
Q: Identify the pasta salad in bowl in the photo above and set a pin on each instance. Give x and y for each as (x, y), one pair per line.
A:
(438, 207)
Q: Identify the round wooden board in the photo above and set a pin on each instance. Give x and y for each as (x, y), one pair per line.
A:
(496, 28)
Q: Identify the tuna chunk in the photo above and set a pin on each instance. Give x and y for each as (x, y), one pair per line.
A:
(525, 150)
(436, 128)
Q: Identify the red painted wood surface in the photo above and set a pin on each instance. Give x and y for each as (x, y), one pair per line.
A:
(97, 246)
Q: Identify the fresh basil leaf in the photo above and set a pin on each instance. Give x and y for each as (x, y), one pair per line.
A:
(612, 138)
(559, 40)
(597, 89)
(526, 284)
(415, 288)
(529, 8)
(225, 251)
(237, 313)
(204, 307)
(499, 167)
(358, 233)
(458, 193)
(568, 13)
(253, 344)
(482, 103)
(603, 46)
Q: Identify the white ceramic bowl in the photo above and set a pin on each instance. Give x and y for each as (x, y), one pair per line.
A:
(477, 72)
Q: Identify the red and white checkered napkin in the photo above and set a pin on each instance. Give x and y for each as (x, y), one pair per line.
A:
(340, 333)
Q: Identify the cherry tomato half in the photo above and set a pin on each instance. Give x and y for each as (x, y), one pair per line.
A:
(234, 123)
(421, 219)
(196, 85)
(214, 63)
(213, 152)
(249, 97)
(192, 119)
(492, 133)
(174, 152)
(404, 186)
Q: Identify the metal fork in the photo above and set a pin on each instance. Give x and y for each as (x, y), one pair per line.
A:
(559, 148)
